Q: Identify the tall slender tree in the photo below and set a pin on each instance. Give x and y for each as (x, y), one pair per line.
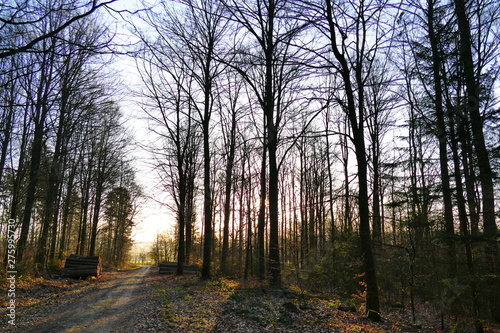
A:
(353, 70)
(271, 26)
(197, 44)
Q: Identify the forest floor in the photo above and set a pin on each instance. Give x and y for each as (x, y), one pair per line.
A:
(141, 300)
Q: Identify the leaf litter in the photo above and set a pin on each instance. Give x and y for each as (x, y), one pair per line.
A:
(188, 304)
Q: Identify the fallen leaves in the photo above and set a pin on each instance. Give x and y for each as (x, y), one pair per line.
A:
(187, 304)
(191, 305)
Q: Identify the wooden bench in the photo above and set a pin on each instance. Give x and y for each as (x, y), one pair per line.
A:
(167, 267)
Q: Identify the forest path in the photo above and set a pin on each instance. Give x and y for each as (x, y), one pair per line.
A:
(141, 300)
(111, 307)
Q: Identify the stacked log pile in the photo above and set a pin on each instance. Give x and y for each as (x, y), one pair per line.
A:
(81, 267)
(167, 267)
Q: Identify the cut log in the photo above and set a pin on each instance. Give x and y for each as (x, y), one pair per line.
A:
(80, 273)
(84, 258)
(81, 261)
(76, 265)
(81, 267)
(95, 258)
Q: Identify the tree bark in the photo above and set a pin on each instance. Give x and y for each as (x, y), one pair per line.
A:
(41, 112)
(272, 146)
(483, 161)
(261, 220)
(67, 208)
(357, 124)
(207, 205)
(442, 137)
(473, 103)
(97, 205)
(8, 122)
(55, 177)
(228, 188)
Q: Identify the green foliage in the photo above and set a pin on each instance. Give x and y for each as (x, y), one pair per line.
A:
(465, 326)
(452, 290)
(118, 212)
(334, 272)
(222, 285)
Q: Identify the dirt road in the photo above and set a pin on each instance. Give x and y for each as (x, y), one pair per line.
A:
(114, 306)
(142, 300)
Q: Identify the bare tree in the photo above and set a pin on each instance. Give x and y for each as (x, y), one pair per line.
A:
(74, 73)
(178, 157)
(229, 127)
(28, 15)
(196, 46)
(353, 64)
(266, 67)
(41, 107)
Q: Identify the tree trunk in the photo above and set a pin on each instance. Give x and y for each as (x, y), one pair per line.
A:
(8, 122)
(261, 221)
(66, 210)
(41, 112)
(181, 214)
(227, 199)
(330, 180)
(347, 221)
(55, 222)
(20, 170)
(189, 215)
(372, 300)
(483, 160)
(473, 103)
(274, 253)
(377, 219)
(55, 176)
(85, 202)
(247, 183)
(470, 177)
(356, 124)
(97, 207)
(442, 137)
(207, 203)
(36, 152)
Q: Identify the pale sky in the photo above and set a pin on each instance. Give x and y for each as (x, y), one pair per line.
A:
(151, 218)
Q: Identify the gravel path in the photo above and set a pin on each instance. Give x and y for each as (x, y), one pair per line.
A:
(123, 303)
